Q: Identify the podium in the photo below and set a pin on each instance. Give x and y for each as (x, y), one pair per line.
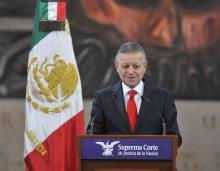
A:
(127, 152)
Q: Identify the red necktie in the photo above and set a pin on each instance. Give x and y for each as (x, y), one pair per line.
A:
(132, 109)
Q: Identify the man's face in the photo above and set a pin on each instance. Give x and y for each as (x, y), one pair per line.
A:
(131, 68)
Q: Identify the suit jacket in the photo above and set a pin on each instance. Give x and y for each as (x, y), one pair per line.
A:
(110, 116)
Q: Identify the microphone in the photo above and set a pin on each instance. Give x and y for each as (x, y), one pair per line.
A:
(145, 99)
(162, 118)
(103, 107)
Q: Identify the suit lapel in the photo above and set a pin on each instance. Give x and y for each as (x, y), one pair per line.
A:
(145, 106)
(120, 105)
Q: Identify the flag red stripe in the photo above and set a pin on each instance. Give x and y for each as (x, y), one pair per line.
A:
(61, 148)
(61, 10)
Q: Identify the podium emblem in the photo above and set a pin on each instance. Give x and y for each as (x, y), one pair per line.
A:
(107, 148)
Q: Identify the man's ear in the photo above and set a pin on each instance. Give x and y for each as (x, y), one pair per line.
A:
(146, 66)
(116, 65)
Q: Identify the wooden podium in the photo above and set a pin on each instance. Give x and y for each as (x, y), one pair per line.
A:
(127, 152)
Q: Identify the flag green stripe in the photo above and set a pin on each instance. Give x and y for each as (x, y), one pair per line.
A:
(40, 14)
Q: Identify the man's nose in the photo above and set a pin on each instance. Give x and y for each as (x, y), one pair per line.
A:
(130, 70)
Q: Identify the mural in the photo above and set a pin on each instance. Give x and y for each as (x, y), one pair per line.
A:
(14, 47)
(181, 38)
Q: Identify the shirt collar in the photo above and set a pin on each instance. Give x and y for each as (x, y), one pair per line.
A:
(139, 88)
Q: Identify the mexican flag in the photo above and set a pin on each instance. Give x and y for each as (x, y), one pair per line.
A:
(54, 108)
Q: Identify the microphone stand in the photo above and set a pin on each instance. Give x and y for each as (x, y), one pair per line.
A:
(162, 118)
(93, 119)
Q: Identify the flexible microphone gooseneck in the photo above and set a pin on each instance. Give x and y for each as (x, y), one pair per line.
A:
(164, 125)
(162, 118)
(97, 113)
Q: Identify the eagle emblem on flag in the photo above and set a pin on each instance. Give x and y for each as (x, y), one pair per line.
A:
(51, 83)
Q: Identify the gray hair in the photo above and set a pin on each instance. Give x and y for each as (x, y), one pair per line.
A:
(130, 47)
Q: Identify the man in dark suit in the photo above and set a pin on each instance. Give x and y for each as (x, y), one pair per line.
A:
(132, 106)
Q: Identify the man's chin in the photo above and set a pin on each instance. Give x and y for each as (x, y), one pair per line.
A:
(131, 84)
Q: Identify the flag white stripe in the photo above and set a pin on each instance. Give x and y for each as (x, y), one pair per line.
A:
(44, 124)
(52, 10)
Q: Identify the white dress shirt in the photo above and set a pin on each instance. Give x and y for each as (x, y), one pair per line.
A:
(139, 89)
